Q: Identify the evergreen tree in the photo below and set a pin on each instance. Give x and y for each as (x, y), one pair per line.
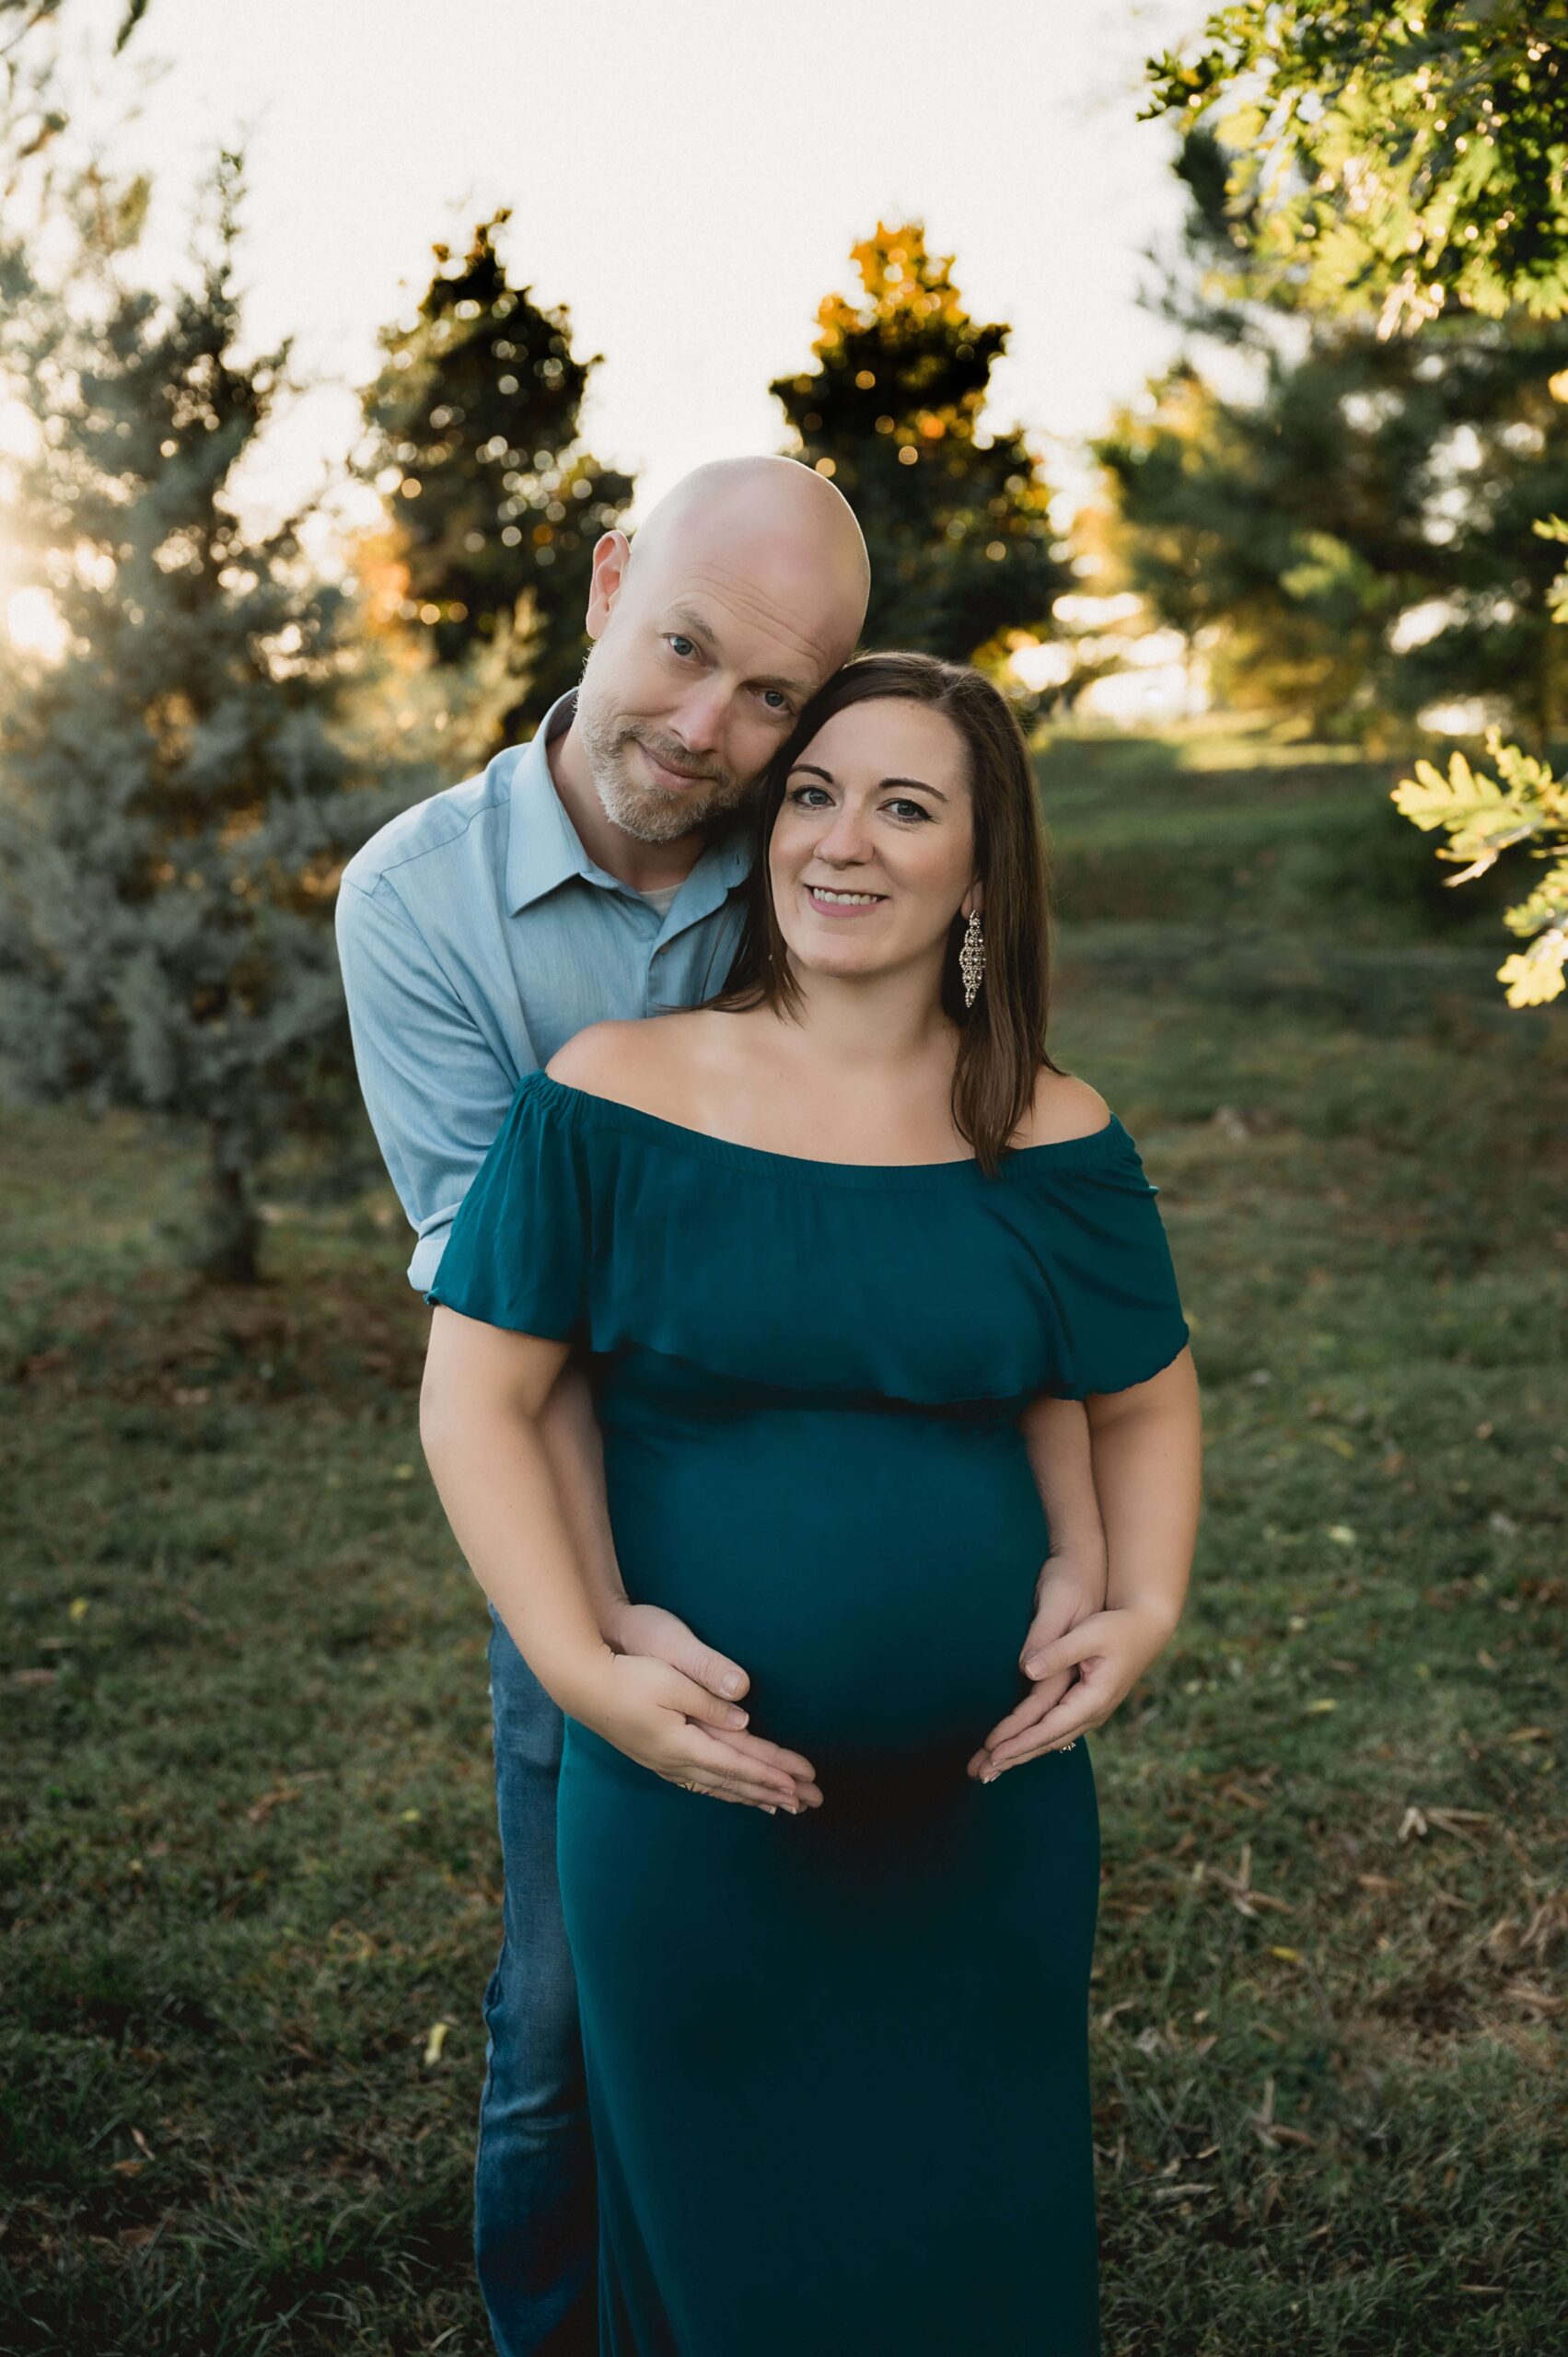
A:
(956, 519)
(175, 805)
(1414, 160)
(1295, 528)
(1296, 534)
(494, 506)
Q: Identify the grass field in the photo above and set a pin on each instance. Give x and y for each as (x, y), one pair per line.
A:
(250, 1865)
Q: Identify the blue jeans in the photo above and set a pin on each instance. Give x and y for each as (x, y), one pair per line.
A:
(534, 2210)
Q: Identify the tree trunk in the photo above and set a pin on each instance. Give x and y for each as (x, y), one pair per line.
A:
(234, 1232)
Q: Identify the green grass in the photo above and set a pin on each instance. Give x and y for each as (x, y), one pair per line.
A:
(250, 1861)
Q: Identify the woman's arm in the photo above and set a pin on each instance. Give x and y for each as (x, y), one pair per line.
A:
(1146, 1448)
(480, 1403)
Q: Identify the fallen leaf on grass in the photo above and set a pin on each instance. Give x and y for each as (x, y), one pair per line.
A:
(1539, 2002)
(1454, 1821)
(258, 1811)
(1243, 1898)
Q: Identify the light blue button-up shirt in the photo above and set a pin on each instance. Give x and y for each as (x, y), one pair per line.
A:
(475, 936)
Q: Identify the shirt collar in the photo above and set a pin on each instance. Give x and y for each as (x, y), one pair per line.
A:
(544, 849)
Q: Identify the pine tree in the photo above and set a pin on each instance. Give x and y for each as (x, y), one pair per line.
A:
(175, 805)
(1413, 158)
(956, 519)
(494, 506)
(1295, 527)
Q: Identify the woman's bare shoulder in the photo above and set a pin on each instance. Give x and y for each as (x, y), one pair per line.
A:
(648, 1062)
(1064, 1106)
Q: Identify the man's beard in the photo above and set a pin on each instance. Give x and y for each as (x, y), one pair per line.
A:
(649, 812)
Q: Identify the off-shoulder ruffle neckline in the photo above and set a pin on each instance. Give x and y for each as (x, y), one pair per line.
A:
(610, 1113)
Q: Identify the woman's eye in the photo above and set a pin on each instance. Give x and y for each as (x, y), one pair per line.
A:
(775, 699)
(799, 793)
(907, 810)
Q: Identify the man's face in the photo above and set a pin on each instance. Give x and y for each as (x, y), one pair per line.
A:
(703, 656)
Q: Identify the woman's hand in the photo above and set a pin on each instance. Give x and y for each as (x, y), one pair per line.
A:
(1110, 1651)
(667, 1722)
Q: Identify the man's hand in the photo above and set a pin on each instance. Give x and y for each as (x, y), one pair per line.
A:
(660, 1719)
(647, 1630)
(1111, 1651)
(1071, 1588)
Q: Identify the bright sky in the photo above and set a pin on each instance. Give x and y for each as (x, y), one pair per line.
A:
(687, 178)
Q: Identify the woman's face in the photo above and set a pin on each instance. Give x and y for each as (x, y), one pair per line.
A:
(871, 853)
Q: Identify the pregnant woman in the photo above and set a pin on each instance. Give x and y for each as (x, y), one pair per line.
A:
(835, 1242)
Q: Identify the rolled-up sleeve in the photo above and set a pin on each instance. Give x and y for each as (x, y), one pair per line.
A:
(434, 1086)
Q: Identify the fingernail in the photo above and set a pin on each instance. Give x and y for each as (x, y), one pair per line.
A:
(733, 1683)
(989, 1775)
(737, 1718)
(1034, 1669)
(769, 1812)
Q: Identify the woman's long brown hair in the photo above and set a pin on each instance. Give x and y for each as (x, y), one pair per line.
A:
(1000, 1037)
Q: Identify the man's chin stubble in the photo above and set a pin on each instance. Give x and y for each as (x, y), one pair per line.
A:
(654, 820)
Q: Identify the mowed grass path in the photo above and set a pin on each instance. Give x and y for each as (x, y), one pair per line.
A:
(249, 1863)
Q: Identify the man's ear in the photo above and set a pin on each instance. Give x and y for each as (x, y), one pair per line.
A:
(612, 552)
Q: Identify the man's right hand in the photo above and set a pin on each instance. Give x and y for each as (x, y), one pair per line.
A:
(665, 1722)
(649, 1632)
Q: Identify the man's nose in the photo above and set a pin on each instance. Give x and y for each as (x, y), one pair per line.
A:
(698, 719)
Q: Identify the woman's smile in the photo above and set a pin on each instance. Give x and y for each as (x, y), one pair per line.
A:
(835, 902)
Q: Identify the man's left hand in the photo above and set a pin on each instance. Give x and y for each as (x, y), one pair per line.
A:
(1068, 1591)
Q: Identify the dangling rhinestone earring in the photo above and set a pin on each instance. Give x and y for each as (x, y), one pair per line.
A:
(971, 958)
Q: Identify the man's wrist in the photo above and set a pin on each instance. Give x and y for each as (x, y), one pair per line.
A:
(609, 1615)
(1086, 1563)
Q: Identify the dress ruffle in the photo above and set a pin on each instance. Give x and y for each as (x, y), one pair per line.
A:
(596, 1222)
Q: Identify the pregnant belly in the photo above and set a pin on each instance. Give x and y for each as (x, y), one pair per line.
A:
(874, 1571)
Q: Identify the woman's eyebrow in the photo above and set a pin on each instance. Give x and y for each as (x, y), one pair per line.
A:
(816, 770)
(919, 783)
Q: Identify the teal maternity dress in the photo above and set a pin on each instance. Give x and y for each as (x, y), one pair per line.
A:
(837, 2062)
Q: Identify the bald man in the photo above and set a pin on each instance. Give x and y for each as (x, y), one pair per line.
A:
(592, 872)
